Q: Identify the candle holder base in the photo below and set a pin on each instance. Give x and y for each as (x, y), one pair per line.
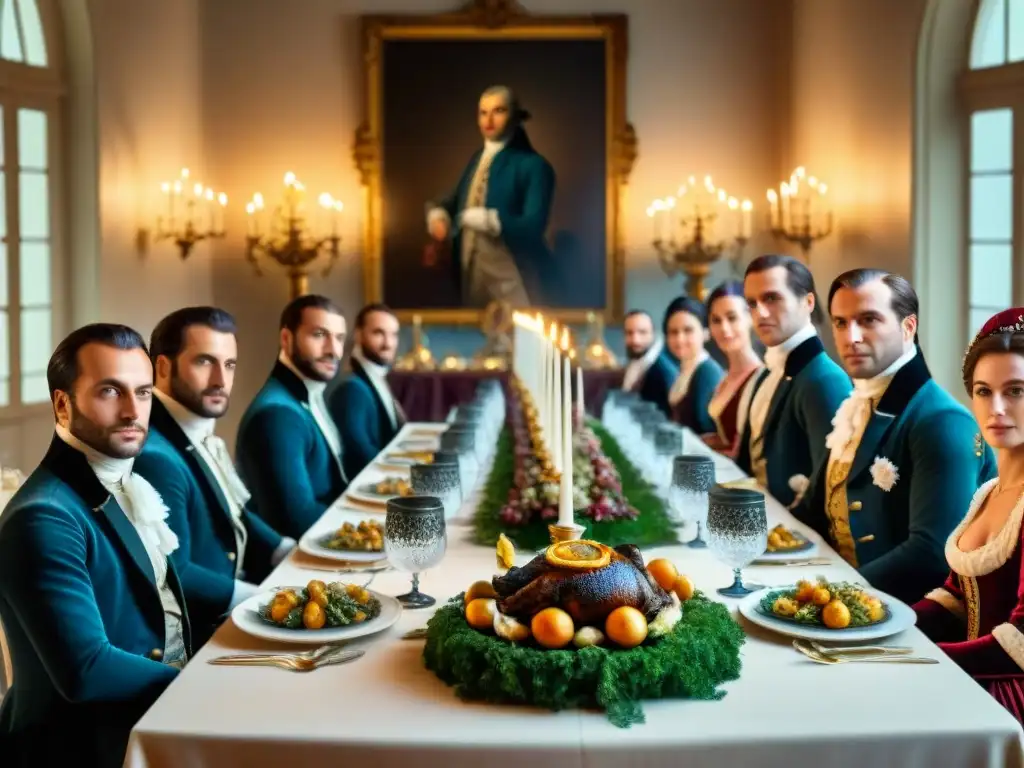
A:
(560, 533)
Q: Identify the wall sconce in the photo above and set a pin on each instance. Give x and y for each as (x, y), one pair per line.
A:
(288, 239)
(799, 213)
(693, 228)
(194, 213)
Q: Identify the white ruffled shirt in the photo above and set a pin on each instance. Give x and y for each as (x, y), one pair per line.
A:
(682, 383)
(318, 407)
(636, 369)
(855, 411)
(775, 360)
(378, 375)
(214, 452)
(147, 513)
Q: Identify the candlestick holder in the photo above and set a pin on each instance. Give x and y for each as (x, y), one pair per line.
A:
(798, 213)
(560, 533)
(191, 216)
(419, 358)
(289, 241)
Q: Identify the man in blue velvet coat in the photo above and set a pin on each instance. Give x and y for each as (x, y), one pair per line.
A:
(905, 458)
(94, 614)
(224, 548)
(367, 414)
(651, 370)
(288, 449)
(500, 207)
(801, 388)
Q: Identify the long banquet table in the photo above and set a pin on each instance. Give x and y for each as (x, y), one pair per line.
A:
(386, 709)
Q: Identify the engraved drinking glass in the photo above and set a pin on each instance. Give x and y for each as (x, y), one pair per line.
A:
(692, 478)
(737, 531)
(668, 443)
(440, 480)
(415, 540)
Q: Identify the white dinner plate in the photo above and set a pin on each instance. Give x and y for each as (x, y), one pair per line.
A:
(789, 554)
(425, 444)
(247, 618)
(311, 542)
(901, 617)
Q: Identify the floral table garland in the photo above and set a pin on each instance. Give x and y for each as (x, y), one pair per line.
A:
(520, 497)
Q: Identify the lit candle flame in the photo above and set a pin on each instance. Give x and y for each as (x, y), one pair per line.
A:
(222, 199)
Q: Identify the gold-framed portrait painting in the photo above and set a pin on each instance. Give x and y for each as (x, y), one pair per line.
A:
(495, 154)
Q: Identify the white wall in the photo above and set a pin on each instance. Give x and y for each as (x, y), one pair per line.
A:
(852, 125)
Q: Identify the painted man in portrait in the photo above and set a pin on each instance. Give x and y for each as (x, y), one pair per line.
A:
(500, 209)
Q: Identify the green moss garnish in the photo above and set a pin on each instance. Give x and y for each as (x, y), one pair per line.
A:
(691, 661)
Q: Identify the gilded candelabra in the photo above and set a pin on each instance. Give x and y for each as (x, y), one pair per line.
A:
(710, 222)
(289, 240)
(192, 215)
(419, 358)
(798, 213)
(595, 354)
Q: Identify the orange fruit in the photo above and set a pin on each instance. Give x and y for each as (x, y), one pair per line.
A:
(836, 615)
(664, 572)
(626, 626)
(683, 588)
(821, 596)
(479, 589)
(480, 613)
(553, 628)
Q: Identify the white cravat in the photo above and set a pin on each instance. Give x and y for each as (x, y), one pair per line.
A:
(318, 407)
(855, 411)
(682, 383)
(775, 360)
(636, 369)
(147, 513)
(378, 378)
(212, 450)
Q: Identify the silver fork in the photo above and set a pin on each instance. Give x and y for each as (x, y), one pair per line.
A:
(294, 664)
(314, 653)
(822, 658)
(858, 650)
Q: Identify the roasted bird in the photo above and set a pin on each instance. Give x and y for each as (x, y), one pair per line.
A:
(586, 579)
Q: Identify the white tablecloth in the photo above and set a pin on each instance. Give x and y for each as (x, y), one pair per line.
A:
(386, 709)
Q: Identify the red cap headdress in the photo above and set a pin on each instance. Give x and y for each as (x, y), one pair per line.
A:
(1007, 321)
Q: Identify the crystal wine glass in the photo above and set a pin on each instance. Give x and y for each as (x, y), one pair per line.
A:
(692, 478)
(415, 540)
(737, 532)
(440, 480)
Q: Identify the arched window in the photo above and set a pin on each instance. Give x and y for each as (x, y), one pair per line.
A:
(32, 266)
(993, 91)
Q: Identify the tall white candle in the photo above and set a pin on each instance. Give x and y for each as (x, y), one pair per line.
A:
(556, 424)
(565, 505)
(542, 394)
(581, 413)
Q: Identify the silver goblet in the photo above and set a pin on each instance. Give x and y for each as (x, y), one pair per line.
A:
(415, 539)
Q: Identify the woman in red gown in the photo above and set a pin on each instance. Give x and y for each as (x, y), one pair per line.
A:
(730, 326)
(977, 616)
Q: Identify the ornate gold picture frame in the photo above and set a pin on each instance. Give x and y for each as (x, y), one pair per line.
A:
(500, 22)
